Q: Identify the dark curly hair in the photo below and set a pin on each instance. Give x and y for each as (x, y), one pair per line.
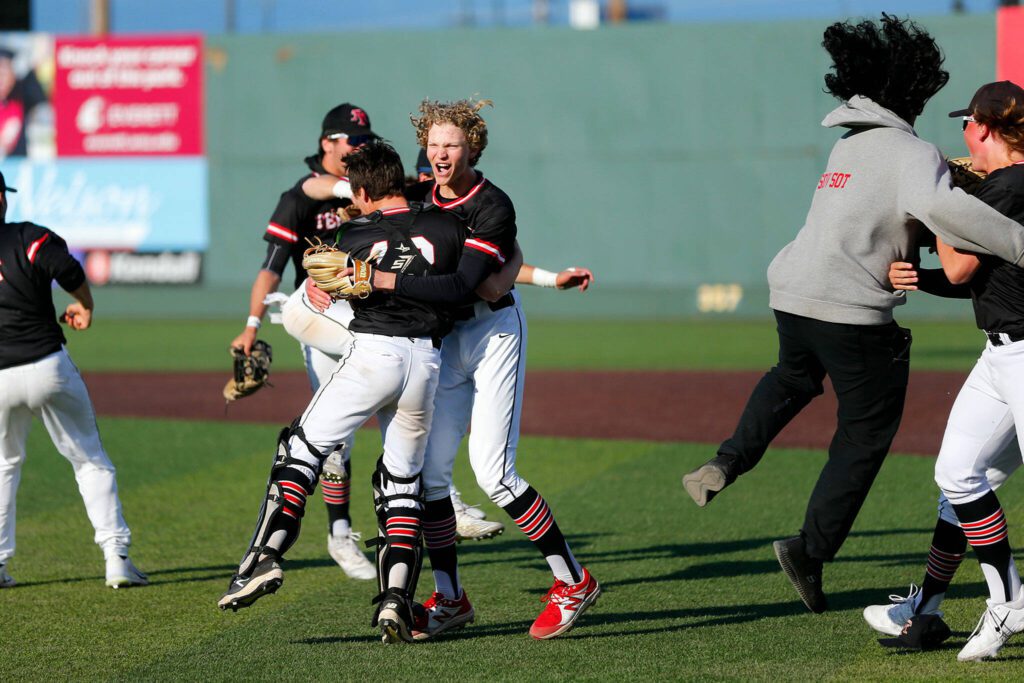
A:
(895, 63)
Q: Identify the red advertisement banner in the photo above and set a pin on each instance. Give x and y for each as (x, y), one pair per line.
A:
(129, 96)
(1010, 45)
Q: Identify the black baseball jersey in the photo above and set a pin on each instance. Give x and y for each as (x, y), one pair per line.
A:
(31, 258)
(298, 217)
(416, 240)
(997, 288)
(490, 218)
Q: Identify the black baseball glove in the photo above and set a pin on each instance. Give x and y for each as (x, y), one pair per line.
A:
(251, 372)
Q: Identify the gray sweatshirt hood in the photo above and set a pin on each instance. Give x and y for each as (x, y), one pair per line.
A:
(861, 112)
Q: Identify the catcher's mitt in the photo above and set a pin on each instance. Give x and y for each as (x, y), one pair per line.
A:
(251, 372)
(963, 174)
(324, 264)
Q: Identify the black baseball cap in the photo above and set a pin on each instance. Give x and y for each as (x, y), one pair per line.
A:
(422, 163)
(991, 98)
(349, 120)
(921, 632)
(4, 187)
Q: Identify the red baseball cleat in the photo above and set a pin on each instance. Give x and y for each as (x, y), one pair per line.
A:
(441, 614)
(565, 605)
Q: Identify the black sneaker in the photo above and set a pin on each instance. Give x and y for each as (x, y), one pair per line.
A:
(803, 571)
(395, 617)
(265, 579)
(706, 481)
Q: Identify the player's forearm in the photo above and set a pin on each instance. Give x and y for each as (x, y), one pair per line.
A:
(958, 266)
(454, 288)
(326, 187)
(83, 295)
(266, 282)
(934, 282)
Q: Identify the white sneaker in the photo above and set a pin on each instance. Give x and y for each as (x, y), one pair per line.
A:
(461, 508)
(349, 557)
(890, 619)
(467, 527)
(6, 580)
(121, 573)
(998, 623)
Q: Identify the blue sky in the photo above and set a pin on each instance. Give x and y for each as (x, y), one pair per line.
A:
(314, 16)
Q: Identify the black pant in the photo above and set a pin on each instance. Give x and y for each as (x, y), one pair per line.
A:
(868, 366)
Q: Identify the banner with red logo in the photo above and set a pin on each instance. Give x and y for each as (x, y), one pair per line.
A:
(129, 96)
(1010, 45)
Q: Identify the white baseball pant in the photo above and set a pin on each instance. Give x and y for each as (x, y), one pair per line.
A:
(978, 452)
(52, 389)
(483, 367)
(324, 337)
(394, 378)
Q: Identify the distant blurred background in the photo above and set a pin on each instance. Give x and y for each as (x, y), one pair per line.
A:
(670, 145)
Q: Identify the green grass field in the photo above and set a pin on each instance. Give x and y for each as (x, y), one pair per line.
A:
(689, 593)
(584, 344)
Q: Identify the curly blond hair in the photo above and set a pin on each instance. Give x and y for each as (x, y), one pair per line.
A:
(463, 114)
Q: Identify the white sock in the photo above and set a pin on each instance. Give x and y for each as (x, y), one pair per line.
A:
(341, 528)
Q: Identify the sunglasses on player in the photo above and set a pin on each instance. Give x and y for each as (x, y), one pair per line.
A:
(353, 140)
(967, 119)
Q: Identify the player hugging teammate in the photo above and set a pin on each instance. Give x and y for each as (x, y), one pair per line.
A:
(399, 339)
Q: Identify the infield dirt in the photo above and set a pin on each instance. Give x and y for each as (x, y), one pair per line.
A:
(654, 406)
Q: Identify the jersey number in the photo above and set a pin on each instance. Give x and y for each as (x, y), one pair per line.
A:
(421, 242)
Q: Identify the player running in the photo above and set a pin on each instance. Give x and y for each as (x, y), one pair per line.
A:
(323, 337)
(38, 378)
(980, 447)
(391, 371)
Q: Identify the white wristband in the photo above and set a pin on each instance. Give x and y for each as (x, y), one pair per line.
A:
(253, 321)
(544, 278)
(342, 190)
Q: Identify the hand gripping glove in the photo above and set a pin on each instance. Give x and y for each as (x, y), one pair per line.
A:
(325, 263)
(963, 174)
(251, 372)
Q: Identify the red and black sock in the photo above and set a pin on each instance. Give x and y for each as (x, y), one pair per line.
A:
(534, 518)
(439, 537)
(985, 527)
(948, 548)
(336, 499)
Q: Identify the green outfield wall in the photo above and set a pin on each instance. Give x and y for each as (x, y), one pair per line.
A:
(674, 160)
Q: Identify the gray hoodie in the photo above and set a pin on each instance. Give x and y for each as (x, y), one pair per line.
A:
(880, 176)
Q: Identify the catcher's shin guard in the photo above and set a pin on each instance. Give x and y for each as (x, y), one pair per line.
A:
(398, 502)
(288, 485)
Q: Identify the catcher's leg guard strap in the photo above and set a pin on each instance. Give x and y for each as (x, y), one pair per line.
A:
(291, 481)
(399, 505)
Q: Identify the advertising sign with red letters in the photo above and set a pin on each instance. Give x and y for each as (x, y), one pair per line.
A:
(129, 96)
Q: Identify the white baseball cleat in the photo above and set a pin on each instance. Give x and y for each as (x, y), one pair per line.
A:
(461, 508)
(243, 591)
(6, 580)
(350, 558)
(121, 573)
(997, 624)
(467, 527)
(890, 619)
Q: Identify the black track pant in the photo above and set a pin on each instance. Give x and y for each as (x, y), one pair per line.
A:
(868, 366)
